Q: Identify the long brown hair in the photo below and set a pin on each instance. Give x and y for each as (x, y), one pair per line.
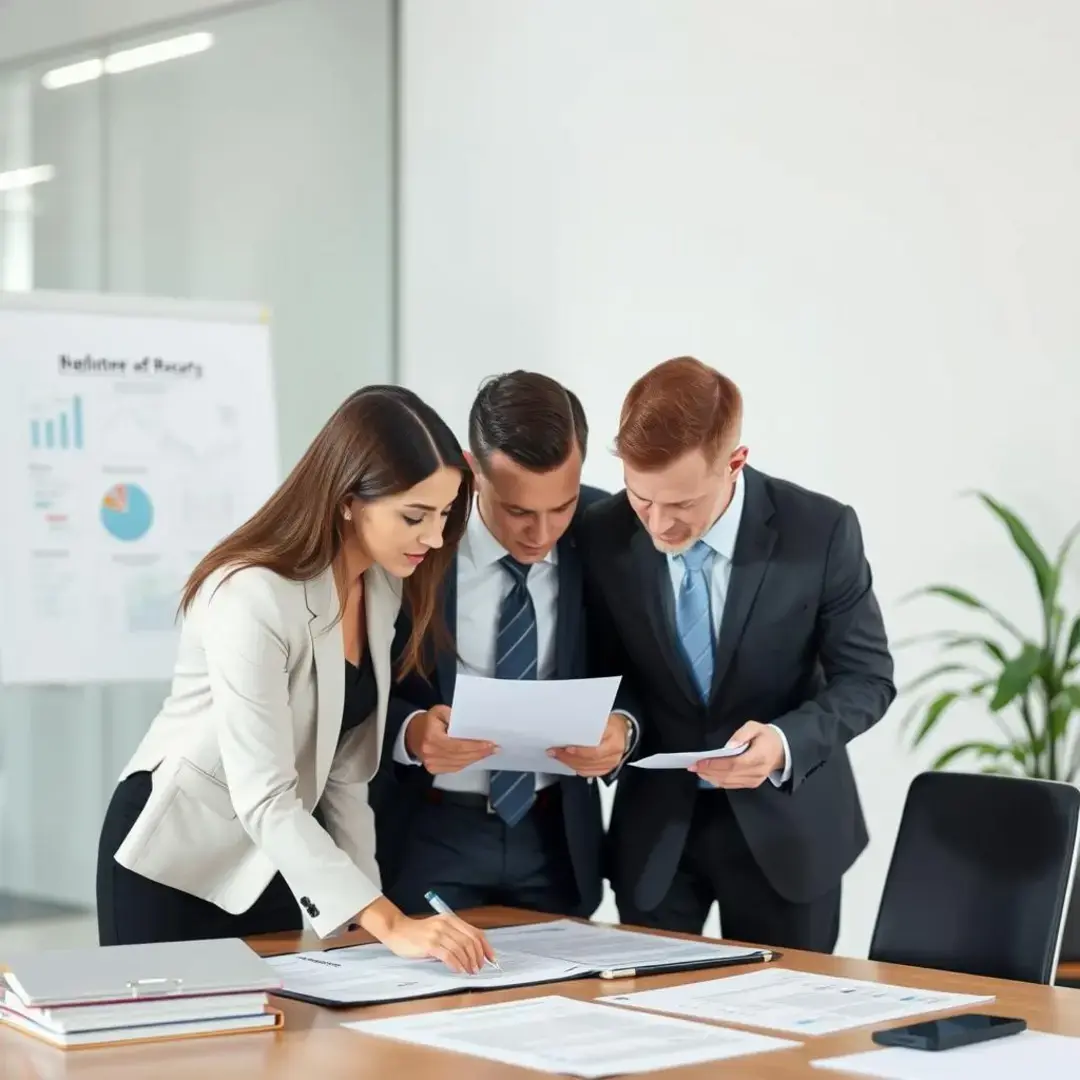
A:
(383, 440)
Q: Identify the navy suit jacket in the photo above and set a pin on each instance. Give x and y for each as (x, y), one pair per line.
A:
(397, 788)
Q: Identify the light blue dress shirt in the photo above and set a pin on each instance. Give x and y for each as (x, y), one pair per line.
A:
(721, 538)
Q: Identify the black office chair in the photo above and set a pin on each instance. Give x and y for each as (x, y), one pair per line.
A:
(980, 877)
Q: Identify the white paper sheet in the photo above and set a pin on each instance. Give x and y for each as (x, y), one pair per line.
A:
(1035, 1054)
(525, 718)
(783, 1000)
(685, 760)
(604, 948)
(372, 973)
(562, 1035)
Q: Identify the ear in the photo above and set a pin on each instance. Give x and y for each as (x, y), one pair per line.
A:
(738, 459)
(474, 465)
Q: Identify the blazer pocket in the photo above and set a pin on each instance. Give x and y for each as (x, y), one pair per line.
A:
(202, 787)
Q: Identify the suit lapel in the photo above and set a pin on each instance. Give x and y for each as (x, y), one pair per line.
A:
(652, 569)
(753, 549)
(568, 608)
(381, 604)
(328, 653)
(446, 661)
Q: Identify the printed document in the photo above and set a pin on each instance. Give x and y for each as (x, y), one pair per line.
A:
(685, 760)
(369, 974)
(782, 1000)
(604, 948)
(563, 1035)
(527, 717)
(1031, 1053)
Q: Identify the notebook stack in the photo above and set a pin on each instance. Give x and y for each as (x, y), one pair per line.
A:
(77, 998)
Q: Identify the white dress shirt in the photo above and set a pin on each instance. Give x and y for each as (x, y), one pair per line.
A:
(482, 585)
(721, 538)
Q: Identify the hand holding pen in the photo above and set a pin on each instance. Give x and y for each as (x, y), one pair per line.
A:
(440, 906)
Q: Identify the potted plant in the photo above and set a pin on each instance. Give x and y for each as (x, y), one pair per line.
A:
(1029, 683)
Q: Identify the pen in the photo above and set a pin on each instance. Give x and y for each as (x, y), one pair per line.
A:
(440, 906)
(764, 957)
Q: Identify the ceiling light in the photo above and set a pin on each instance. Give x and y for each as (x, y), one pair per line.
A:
(145, 55)
(24, 178)
(73, 74)
(127, 60)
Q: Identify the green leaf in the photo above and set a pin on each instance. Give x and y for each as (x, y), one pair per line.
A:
(962, 596)
(983, 749)
(1066, 545)
(1046, 577)
(937, 672)
(934, 713)
(988, 645)
(1016, 676)
(1073, 640)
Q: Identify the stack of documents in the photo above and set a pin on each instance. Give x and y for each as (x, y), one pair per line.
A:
(138, 993)
(531, 955)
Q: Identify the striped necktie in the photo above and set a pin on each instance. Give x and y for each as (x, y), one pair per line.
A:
(693, 618)
(513, 793)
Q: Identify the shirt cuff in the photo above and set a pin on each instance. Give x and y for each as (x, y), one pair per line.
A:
(401, 751)
(781, 776)
(635, 731)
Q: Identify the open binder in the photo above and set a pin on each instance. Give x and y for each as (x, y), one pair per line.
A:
(357, 975)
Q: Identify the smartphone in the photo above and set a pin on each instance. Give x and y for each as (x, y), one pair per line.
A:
(950, 1032)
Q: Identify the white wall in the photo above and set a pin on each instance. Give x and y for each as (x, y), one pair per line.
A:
(864, 212)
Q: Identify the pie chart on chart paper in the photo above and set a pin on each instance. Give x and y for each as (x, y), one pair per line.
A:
(127, 512)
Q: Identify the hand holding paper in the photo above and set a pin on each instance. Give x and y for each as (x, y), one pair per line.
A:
(427, 740)
(598, 760)
(526, 718)
(764, 754)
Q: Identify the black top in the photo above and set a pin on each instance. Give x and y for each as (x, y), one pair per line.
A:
(361, 694)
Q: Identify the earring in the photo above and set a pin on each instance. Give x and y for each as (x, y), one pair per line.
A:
(348, 515)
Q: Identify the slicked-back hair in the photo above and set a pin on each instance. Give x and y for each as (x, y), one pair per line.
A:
(531, 418)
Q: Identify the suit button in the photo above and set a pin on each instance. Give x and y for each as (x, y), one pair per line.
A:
(313, 911)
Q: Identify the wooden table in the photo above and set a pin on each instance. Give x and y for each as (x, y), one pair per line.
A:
(313, 1046)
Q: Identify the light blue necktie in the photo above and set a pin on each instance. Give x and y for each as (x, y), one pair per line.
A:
(516, 653)
(693, 618)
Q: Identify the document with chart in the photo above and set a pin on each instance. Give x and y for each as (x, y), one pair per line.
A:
(569, 1037)
(781, 1000)
(134, 435)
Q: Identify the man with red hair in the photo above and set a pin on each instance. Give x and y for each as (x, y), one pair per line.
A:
(740, 611)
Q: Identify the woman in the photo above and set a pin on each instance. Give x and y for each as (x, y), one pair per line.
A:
(279, 697)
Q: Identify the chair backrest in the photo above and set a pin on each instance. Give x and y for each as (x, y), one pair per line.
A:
(980, 877)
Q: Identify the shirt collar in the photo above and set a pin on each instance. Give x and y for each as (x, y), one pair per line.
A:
(481, 549)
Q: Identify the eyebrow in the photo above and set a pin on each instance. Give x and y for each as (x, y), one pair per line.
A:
(421, 506)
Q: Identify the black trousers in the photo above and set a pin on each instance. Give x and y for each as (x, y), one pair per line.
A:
(718, 865)
(132, 909)
(472, 858)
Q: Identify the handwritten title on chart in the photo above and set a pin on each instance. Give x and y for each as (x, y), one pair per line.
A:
(148, 365)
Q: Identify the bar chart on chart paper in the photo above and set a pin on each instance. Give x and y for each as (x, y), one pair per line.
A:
(60, 428)
(117, 476)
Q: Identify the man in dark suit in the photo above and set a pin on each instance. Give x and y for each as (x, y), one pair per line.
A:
(741, 608)
(514, 604)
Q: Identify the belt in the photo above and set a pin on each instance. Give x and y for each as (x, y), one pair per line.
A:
(546, 799)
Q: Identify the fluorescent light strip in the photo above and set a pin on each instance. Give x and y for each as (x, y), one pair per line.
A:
(24, 178)
(127, 60)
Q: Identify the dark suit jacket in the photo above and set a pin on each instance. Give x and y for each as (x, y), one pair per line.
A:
(801, 645)
(396, 788)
